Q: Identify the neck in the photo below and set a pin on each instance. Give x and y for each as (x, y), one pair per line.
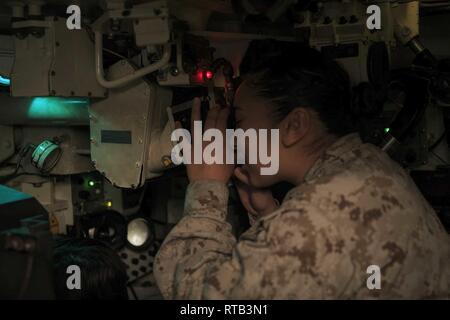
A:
(310, 154)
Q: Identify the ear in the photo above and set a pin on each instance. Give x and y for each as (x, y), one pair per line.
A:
(295, 126)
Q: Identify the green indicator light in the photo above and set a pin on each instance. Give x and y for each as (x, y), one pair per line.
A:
(91, 183)
(386, 130)
(56, 108)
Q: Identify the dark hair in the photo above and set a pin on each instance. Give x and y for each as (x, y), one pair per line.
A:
(103, 274)
(292, 75)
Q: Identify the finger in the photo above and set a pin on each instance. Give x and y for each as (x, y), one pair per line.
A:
(222, 119)
(211, 119)
(241, 176)
(195, 113)
(242, 191)
(178, 125)
(244, 195)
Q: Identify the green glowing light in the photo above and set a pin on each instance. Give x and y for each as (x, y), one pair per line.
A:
(91, 183)
(5, 81)
(386, 130)
(55, 107)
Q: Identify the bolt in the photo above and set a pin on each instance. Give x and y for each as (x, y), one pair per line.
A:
(327, 20)
(342, 20)
(29, 245)
(174, 71)
(37, 34)
(353, 19)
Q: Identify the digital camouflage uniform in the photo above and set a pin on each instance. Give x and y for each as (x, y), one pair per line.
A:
(355, 208)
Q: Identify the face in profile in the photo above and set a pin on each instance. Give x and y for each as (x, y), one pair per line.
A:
(255, 112)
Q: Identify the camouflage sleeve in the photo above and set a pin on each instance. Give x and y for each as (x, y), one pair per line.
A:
(200, 239)
(200, 258)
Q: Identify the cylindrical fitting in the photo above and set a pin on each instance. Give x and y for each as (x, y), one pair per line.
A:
(416, 46)
(17, 9)
(34, 8)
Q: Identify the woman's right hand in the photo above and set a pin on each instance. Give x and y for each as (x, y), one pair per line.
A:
(258, 202)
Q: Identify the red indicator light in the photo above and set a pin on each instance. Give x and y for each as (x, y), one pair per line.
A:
(199, 76)
(209, 75)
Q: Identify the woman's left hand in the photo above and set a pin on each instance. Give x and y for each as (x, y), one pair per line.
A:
(217, 118)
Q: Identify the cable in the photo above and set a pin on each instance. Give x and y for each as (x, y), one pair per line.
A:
(16, 152)
(115, 54)
(22, 153)
(92, 38)
(440, 158)
(132, 291)
(3, 163)
(438, 141)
